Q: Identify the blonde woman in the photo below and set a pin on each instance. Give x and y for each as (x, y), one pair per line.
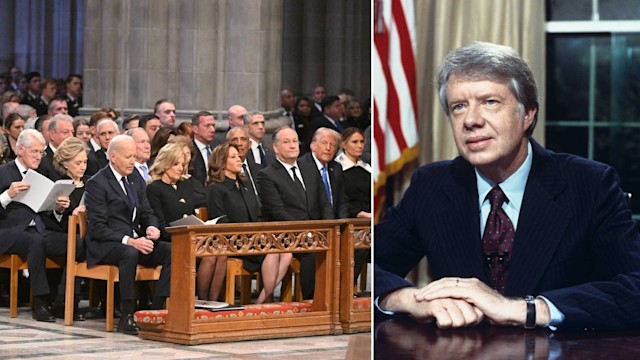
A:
(170, 197)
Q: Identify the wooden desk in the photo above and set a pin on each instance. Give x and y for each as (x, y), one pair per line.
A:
(404, 338)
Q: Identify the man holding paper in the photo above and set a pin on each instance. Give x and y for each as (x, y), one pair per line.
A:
(21, 229)
(122, 229)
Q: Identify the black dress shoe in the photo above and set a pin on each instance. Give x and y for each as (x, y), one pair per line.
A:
(127, 325)
(58, 311)
(43, 313)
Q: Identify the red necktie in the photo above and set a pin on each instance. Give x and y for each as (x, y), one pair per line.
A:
(497, 240)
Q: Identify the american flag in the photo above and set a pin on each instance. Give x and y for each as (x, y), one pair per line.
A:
(394, 93)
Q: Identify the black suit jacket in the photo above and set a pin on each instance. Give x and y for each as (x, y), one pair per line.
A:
(46, 166)
(255, 168)
(238, 205)
(73, 105)
(317, 123)
(281, 201)
(340, 205)
(96, 160)
(199, 171)
(16, 215)
(575, 242)
(109, 213)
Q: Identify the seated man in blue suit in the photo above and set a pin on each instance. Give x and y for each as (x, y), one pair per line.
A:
(514, 234)
(122, 229)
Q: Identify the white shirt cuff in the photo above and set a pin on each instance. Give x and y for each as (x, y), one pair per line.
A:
(386, 312)
(125, 239)
(5, 199)
(557, 317)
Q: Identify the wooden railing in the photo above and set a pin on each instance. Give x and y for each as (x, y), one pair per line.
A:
(190, 242)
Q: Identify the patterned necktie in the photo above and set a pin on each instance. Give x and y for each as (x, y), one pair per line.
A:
(208, 149)
(129, 190)
(325, 180)
(497, 240)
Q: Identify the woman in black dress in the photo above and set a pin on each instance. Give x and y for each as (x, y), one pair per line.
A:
(356, 173)
(230, 193)
(302, 119)
(70, 161)
(13, 127)
(170, 197)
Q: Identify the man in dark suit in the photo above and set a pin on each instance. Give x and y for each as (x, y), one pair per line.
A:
(60, 128)
(513, 233)
(48, 91)
(332, 112)
(324, 145)
(122, 229)
(204, 130)
(33, 89)
(22, 231)
(106, 129)
(291, 190)
(258, 155)
(74, 94)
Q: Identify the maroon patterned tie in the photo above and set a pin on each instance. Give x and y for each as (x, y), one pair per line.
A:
(497, 240)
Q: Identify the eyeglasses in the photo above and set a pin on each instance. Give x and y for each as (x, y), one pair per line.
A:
(36, 153)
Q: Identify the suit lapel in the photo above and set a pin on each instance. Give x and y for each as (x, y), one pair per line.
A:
(14, 171)
(286, 179)
(462, 237)
(115, 185)
(542, 223)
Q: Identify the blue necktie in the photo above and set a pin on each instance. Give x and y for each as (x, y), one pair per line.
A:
(129, 190)
(339, 126)
(325, 180)
(208, 148)
(145, 172)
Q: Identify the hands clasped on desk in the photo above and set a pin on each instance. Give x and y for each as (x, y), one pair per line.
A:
(457, 302)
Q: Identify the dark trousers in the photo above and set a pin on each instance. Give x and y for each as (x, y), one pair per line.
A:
(36, 247)
(127, 259)
(307, 273)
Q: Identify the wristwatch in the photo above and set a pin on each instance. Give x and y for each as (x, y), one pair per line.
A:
(530, 322)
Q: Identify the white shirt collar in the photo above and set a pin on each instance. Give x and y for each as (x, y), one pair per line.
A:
(116, 174)
(319, 165)
(346, 163)
(21, 167)
(513, 187)
(200, 145)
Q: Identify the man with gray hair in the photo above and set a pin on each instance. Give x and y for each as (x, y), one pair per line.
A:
(57, 106)
(60, 128)
(23, 231)
(143, 150)
(122, 229)
(514, 233)
(258, 156)
(106, 129)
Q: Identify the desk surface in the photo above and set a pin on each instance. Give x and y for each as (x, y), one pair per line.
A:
(405, 338)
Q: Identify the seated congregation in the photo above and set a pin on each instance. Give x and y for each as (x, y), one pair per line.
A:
(283, 211)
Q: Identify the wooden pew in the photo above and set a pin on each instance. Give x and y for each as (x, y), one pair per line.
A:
(355, 313)
(189, 242)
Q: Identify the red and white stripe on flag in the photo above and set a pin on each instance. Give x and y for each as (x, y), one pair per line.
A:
(394, 92)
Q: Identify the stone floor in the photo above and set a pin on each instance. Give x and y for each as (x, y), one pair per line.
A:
(24, 338)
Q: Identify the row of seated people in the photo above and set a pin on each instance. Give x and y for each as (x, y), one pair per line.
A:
(127, 219)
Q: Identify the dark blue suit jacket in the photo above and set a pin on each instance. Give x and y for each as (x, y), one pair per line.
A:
(575, 243)
(109, 213)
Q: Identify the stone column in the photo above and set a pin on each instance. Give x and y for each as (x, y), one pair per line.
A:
(202, 55)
